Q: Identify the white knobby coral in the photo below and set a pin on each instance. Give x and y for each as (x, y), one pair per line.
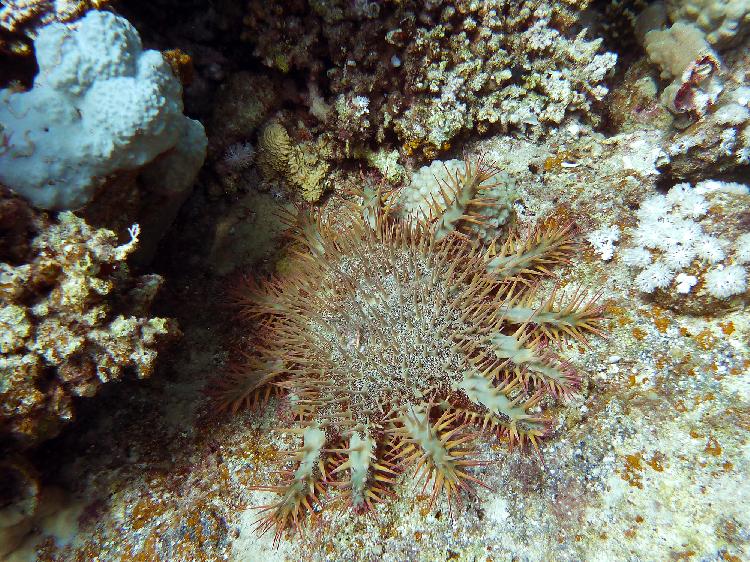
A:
(685, 282)
(431, 185)
(723, 21)
(100, 104)
(655, 276)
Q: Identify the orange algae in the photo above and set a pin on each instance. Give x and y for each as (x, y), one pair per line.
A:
(553, 162)
(708, 397)
(682, 555)
(660, 321)
(705, 340)
(639, 334)
(657, 461)
(633, 469)
(713, 447)
(727, 327)
(145, 511)
(618, 313)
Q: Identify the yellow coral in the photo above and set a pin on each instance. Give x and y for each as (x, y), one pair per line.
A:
(274, 150)
(58, 324)
(303, 166)
(181, 64)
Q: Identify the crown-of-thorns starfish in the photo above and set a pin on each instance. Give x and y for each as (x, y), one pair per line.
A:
(399, 345)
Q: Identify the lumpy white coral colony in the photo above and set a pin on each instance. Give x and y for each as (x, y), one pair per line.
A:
(100, 104)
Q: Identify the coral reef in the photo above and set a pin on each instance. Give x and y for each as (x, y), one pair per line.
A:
(686, 58)
(72, 319)
(662, 412)
(442, 70)
(686, 50)
(708, 93)
(398, 342)
(395, 285)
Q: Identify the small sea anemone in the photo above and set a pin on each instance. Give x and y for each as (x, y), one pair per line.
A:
(400, 344)
(239, 156)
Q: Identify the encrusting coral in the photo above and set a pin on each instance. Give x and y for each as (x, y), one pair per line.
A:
(399, 343)
(71, 319)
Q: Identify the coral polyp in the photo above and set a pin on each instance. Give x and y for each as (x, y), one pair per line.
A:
(399, 345)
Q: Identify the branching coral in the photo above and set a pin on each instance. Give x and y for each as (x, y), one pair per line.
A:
(398, 342)
(444, 68)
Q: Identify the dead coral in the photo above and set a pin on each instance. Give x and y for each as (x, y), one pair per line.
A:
(72, 318)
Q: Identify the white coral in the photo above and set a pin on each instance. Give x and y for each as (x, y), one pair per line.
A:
(636, 257)
(656, 276)
(685, 282)
(603, 241)
(668, 240)
(724, 282)
(100, 104)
